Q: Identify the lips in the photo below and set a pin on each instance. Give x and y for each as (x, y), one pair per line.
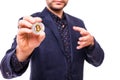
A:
(58, 2)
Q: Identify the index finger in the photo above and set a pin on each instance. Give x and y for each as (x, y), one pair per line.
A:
(77, 29)
(32, 19)
(82, 31)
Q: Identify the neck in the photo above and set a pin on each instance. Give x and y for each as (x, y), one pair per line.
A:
(59, 13)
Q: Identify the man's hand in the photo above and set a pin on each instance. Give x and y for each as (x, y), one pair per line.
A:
(86, 40)
(27, 41)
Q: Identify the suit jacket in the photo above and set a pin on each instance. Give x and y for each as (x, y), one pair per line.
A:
(48, 61)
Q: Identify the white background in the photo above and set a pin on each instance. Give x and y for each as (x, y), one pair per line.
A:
(101, 17)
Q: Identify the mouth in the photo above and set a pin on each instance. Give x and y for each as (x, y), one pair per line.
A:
(59, 2)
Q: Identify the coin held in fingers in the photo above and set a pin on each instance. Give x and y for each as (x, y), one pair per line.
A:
(38, 27)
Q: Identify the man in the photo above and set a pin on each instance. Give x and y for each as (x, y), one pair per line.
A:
(58, 53)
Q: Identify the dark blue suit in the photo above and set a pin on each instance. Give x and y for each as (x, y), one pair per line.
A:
(48, 61)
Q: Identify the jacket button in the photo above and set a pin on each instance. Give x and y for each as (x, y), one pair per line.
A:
(7, 73)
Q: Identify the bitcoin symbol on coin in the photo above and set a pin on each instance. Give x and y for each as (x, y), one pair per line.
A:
(38, 27)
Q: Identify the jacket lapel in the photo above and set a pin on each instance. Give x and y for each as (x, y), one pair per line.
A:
(52, 26)
(71, 31)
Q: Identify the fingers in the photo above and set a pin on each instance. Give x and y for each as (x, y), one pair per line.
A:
(25, 25)
(28, 21)
(86, 38)
(24, 31)
(32, 19)
(81, 45)
(42, 36)
(82, 31)
(82, 42)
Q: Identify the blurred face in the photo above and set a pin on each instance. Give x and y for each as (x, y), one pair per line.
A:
(56, 5)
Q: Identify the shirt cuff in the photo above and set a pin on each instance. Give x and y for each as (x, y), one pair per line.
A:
(16, 65)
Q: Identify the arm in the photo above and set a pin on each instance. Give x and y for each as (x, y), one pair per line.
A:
(8, 66)
(16, 60)
(94, 53)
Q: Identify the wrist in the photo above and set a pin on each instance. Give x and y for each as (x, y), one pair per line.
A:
(22, 55)
(92, 45)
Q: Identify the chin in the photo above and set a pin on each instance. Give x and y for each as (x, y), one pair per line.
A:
(58, 7)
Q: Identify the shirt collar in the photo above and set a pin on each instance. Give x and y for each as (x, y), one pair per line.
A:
(55, 17)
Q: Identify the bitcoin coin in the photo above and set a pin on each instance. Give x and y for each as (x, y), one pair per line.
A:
(38, 27)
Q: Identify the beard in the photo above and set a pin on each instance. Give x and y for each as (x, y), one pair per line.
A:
(57, 7)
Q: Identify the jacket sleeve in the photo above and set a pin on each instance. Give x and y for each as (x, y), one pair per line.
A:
(95, 54)
(8, 66)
